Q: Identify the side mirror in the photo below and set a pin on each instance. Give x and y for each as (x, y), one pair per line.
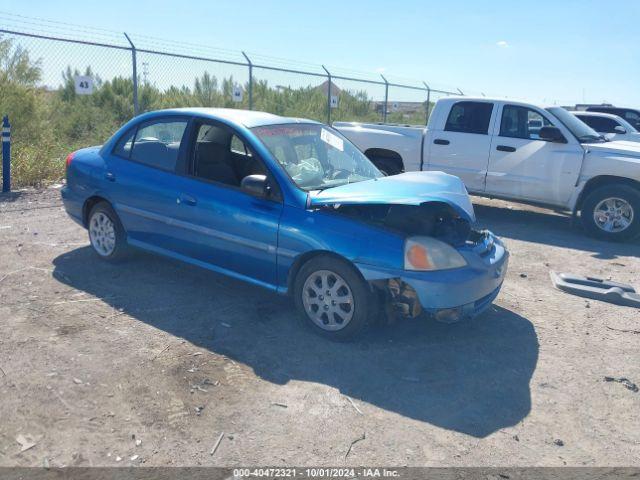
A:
(256, 185)
(620, 129)
(552, 134)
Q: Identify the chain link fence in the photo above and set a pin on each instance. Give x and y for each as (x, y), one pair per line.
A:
(151, 73)
(65, 87)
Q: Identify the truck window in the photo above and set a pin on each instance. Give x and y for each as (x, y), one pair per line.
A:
(600, 124)
(469, 117)
(522, 122)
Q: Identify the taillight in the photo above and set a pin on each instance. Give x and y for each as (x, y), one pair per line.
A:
(70, 158)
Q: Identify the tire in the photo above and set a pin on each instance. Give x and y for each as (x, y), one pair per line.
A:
(323, 270)
(386, 166)
(106, 233)
(626, 201)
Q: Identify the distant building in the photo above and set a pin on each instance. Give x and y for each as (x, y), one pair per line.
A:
(324, 88)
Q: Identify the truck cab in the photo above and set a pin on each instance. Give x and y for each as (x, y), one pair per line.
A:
(518, 151)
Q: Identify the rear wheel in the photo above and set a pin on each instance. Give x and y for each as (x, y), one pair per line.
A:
(106, 233)
(612, 213)
(332, 298)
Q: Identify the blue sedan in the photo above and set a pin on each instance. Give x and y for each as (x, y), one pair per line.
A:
(290, 205)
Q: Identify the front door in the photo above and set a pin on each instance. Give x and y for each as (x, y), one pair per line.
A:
(523, 166)
(223, 225)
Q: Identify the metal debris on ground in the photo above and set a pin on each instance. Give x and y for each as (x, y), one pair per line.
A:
(26, 442)
(628, 384)
(359, 439)
(134, 458)
(217, 444)
(283, 405)
(621, 330)
(558, 442)
(596, 289)
(353, 404)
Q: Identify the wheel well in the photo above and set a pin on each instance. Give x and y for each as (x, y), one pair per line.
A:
(601, 181)
(384, 154)
(88, 205)
(305, 257)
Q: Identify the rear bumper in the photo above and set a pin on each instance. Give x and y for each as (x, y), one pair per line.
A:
(73, 204)
(465, 292)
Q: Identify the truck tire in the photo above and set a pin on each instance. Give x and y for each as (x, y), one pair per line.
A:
(106, 233)
(332, 298)
(612, 212)
(386, 166)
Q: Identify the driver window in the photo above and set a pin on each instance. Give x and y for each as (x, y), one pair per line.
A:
(522, 122)
(221, 156)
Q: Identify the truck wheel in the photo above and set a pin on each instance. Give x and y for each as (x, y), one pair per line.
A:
(106, 234)
(386, 166)
(332, 298)
(612, 213)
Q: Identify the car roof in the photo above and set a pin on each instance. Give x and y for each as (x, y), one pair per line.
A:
(596, 114)
(510, 101)
(246, 118)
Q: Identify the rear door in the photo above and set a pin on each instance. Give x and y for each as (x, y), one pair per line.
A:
(461, 147)
(141, 180)
(525, 167)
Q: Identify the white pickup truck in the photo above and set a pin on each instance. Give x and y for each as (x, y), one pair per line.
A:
(515, 150)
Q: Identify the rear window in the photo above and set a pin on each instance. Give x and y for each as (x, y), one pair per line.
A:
(469, 117)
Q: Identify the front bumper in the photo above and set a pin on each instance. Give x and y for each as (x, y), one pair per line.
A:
(456, 293)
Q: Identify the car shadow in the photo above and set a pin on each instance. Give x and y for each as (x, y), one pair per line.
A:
(548, 228)
(470, 377)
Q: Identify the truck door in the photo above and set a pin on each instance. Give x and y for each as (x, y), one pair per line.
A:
(523, 166)
(461, 146)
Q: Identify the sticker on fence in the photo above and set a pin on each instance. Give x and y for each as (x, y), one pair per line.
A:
(333, 140)
(237, 94)
(83, 84)
(334, 101)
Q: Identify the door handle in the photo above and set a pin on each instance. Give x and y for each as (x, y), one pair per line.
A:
(186, 199)
(505, 148)
(110, 176)
(440, 141)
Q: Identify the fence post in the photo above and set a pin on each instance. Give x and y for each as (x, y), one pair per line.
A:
(136, 107)
(428, 101)
(6, 155)
(250, 80)
(328, 95)
(386, 99)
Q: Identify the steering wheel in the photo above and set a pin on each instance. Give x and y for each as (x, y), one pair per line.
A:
(336, 173)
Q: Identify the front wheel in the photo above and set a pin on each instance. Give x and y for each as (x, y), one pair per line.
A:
(332, 298)
(612, 213)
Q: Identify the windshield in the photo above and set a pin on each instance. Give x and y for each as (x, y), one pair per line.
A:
(583, 132)
(315, 156)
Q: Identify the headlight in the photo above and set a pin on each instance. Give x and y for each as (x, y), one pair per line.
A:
(426, 253)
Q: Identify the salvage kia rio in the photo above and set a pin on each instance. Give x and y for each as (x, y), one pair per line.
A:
(290, 205)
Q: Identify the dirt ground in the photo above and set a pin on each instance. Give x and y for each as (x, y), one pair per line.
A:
(149, 362)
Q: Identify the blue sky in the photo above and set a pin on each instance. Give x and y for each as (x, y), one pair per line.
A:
(545, 51)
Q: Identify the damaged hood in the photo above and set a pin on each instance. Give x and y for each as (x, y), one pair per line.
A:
(411, 188)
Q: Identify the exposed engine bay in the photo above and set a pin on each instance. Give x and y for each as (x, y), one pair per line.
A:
(432, 219)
